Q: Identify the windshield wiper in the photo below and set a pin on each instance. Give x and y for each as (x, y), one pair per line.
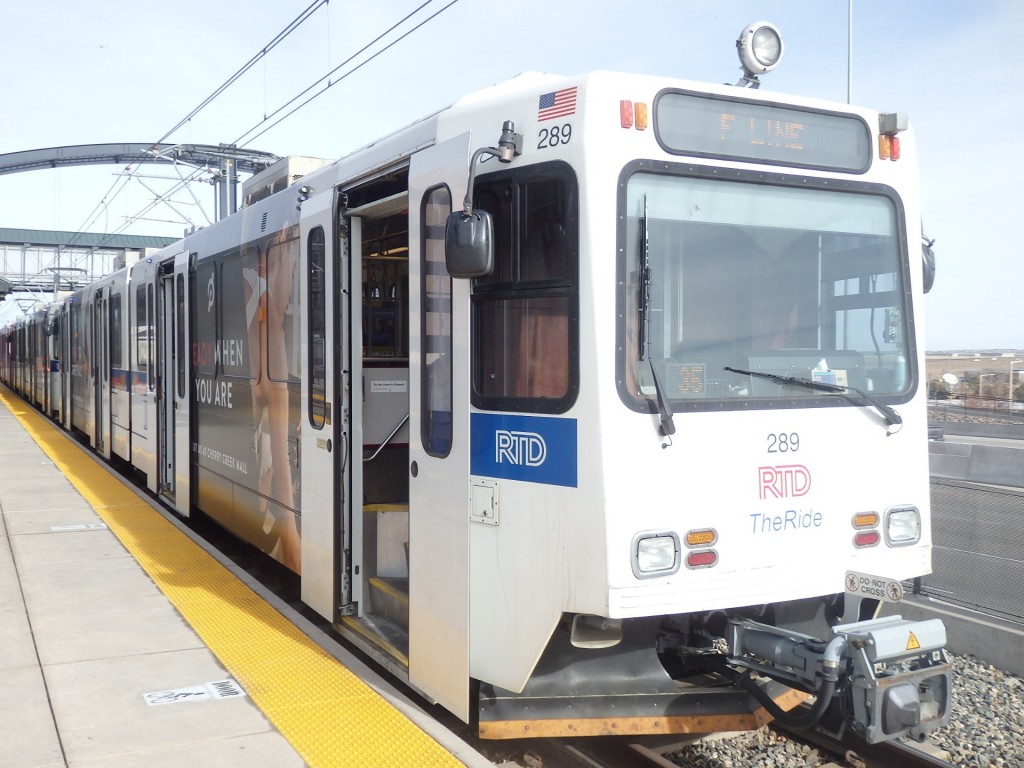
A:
(668, 425)
(892, 419)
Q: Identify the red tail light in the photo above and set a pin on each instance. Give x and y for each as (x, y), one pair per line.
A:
(867, 539)
(704, 558)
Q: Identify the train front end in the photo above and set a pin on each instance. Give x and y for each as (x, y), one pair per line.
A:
(751, 426)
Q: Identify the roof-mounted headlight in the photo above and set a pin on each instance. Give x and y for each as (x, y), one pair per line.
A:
(760, 50)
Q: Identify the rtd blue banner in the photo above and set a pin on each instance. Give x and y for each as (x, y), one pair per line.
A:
(534, 449)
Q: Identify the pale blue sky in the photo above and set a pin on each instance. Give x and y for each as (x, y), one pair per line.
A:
(123, 71)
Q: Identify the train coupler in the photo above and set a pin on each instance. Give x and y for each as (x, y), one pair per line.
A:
(901, 681)
(886, 677)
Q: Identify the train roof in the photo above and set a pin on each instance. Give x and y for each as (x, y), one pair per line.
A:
(436, 126)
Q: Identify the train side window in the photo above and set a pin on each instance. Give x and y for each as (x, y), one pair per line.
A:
(317, 307)
(140, 331)
(526, 313)
(101, 329)
(150, 339)
(179, 332)
(436, 321)
(115, 331)
(76, 337)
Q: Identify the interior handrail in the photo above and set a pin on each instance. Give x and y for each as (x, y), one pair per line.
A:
(387, 440)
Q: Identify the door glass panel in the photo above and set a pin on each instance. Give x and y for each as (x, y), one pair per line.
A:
(436, 322)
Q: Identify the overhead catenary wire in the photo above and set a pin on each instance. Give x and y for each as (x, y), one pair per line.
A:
(244, 139)
(126, 175)
(248, 136)
(301, 18)
(279, 38)
(100, 207)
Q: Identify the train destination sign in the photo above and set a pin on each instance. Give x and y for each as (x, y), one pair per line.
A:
(712, 126)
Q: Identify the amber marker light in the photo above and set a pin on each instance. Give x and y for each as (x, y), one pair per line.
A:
(640, 113)
(884, 147)
(865, 520)
(704, 537)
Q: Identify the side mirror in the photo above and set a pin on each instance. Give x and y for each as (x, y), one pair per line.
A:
(928, 257)
(469, 244)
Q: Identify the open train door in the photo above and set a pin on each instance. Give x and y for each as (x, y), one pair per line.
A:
(438, 434)
(173, 383)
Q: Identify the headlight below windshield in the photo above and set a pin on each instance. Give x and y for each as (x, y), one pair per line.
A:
(902, 526)
(655, 554)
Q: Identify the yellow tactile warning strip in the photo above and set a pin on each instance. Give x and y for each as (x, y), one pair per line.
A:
(328, 715)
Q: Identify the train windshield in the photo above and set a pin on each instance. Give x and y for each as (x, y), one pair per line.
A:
(769, 279)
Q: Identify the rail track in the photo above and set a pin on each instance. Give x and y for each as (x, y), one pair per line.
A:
(857, 753)
(619, 752)
(610, 752)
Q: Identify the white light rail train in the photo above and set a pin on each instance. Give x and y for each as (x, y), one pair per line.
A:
(614, 427)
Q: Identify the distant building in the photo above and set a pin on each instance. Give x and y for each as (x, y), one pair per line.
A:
(993, 373)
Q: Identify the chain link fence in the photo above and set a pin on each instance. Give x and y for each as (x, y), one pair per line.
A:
(977, 548)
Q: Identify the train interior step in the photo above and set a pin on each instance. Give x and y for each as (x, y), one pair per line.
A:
(389, 611)
(383, 627)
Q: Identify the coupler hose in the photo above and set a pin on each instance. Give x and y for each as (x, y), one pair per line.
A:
(830, 666)
(799, 722)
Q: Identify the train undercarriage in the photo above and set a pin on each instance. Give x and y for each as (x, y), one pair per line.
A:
(705, 673)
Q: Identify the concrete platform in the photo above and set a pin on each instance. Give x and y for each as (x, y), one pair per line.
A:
(100, 669)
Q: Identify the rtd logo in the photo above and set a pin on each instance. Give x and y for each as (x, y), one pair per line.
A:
(784, 481)
(524, 449)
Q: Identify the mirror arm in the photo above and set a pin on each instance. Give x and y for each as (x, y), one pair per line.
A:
(467, 203)
(510, 145)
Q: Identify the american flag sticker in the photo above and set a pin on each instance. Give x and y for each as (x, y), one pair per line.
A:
(557, 104)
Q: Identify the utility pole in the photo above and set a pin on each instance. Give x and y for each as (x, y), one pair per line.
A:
(849, 51)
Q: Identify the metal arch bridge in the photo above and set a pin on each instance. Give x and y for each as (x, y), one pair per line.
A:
(228, 161)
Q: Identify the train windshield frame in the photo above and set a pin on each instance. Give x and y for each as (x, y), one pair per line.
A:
(786, 276)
